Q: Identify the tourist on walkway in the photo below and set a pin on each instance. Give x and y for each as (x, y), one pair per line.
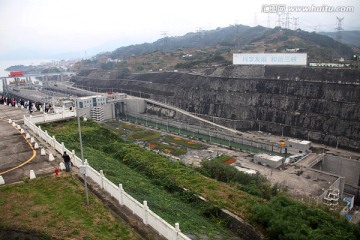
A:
(30, 107)
(66, 161)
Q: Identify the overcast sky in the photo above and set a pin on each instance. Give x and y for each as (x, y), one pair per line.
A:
(76, 25)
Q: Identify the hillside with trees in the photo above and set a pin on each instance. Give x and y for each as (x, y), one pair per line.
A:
(216, 48)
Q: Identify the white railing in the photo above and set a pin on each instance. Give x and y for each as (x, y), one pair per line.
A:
(141, 210)
(49, 117)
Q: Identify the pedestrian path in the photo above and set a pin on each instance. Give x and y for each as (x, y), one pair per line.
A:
(17, 154)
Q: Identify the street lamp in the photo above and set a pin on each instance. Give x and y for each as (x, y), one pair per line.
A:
(81, 148)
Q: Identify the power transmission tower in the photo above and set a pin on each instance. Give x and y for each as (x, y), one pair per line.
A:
(339, 28)
(268, 21)
(165, 39)
(278, 22)
(287, 23)
(237, 36)
(200, 31)
(296, 23)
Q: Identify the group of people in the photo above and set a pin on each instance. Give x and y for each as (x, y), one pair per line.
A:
(37, 106)
(9, 101)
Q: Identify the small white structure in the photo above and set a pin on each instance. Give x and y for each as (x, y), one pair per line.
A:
(300, 145)
(42, 152)
(62, 166)
(32, 174)
(245, 170)
(268, 160)
(51, 157)
(2, 181)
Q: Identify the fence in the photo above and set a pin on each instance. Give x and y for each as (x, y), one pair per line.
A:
(49, 117)
(205, 133)
(124, 199)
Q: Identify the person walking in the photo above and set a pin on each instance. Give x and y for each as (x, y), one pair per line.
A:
(66, 158)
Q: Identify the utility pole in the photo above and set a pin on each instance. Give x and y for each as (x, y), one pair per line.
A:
(81, 149)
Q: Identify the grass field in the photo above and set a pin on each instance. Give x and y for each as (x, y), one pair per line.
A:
(56, 208)
(149, 176)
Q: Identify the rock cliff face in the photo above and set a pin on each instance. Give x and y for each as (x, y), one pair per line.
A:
(322, 105)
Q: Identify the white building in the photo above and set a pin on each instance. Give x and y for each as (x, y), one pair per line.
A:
(268, 160)
(300, 146)
(101, 107)
(91, 101)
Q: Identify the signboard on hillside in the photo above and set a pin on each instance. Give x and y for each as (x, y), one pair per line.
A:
(299, 59)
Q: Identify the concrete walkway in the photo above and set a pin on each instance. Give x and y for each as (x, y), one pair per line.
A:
(17, 156)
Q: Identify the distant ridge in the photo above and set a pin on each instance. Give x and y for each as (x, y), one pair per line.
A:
(246, 39)
(348, 37)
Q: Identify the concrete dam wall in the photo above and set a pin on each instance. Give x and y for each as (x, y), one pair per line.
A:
(322, 105)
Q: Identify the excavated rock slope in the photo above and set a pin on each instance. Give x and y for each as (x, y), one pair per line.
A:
(320, 104)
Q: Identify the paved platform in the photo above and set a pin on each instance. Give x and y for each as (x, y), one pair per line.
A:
(17, 156)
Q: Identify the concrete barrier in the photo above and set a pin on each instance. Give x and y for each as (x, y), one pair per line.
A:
(51, 157)
(2, 181)
(62, 166)
(32, 174)
(43, 152)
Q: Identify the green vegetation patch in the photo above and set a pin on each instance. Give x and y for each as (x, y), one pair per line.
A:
(184, 142)
(56, 207)
(105, 150)
(286, 218)
(131, 127)
(144, 135)
(166, 148)
(143, 179)
(222, 158)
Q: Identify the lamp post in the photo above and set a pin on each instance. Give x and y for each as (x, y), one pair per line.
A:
(81, 149)
(282, 144)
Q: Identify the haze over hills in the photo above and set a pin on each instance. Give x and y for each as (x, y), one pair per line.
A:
(234, 38)
(348, 37)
